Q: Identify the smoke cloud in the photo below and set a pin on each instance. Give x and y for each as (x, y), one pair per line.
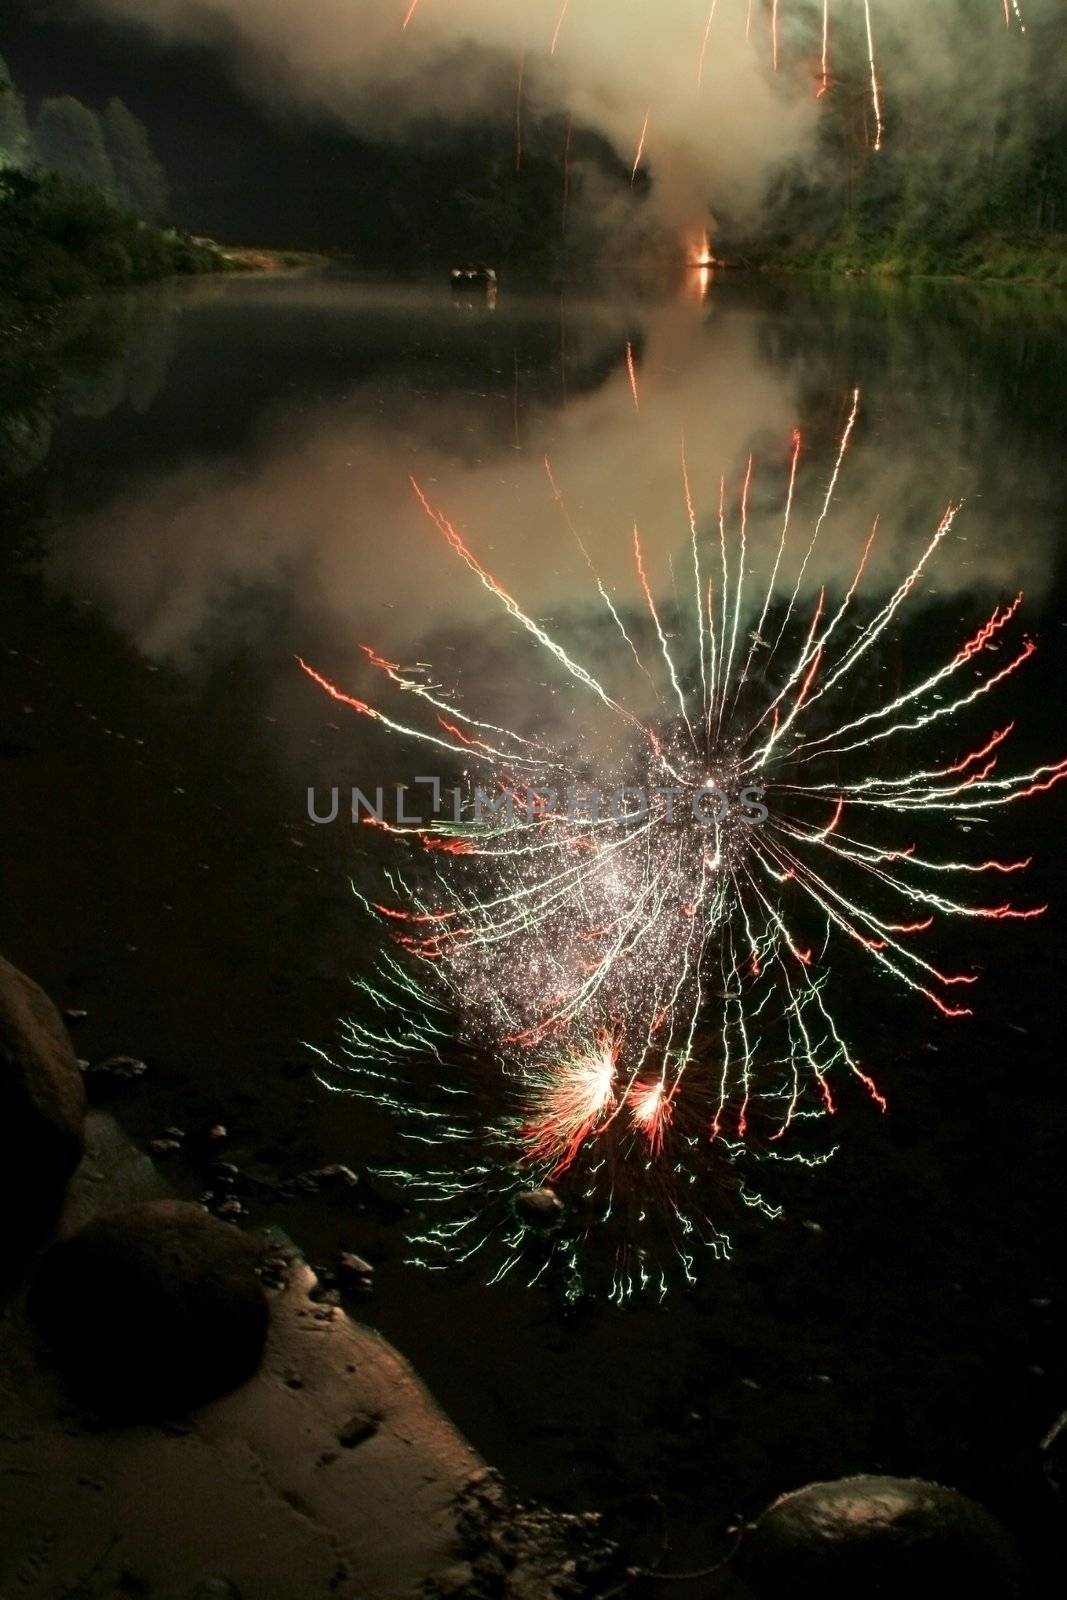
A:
(709, 141)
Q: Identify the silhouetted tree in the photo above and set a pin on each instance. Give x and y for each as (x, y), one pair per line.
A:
(69, 138)
(14, 130)
(140, 182)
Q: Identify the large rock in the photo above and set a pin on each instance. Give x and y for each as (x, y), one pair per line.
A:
(878, 1537)
(152, 1309)
(42, 1106)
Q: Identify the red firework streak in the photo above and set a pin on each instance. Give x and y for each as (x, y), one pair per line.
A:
(715, 946)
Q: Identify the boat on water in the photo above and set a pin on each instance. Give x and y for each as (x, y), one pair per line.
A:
(473, 277)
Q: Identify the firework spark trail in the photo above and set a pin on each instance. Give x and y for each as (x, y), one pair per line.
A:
(825, 58)
(698, 582)
(738, 588)
(653, 995)
(980, 641)
(559, 27)
(774, 34)
(831, 486)
(631, 372)
(704, 44)
(815, 648)
(640, 147)
(757, 636)
(355, 704)
(412, 686)
(724, 594)
(661, 636)
(876, 103)
(409, 14)
(489, 582)
(871, 633)
(603, 593)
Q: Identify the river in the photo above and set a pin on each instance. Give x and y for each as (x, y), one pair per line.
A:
(204, 482)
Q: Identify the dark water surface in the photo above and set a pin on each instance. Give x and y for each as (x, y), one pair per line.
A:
(202, 483)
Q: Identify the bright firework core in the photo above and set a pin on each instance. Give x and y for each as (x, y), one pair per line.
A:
(635, 1008)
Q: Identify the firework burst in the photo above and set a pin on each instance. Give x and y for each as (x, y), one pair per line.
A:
(606, 999)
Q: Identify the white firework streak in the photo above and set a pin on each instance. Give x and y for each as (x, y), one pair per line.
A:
(591, 1025)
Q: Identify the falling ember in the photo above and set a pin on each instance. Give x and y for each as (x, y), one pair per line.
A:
(640, 146)
(774, 34)
(559, 27)
(875, 100)
(704, 44)
(412, 8)
(825, 83)
(638, 1006)
(631, 370)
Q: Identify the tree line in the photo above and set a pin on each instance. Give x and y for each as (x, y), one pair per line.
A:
(108, 150)
(962, 165)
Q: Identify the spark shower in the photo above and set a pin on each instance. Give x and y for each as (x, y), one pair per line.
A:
(599, 1033)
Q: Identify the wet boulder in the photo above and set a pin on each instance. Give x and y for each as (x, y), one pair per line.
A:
(540, 1208)
(152, 1309)
(42, 1105)
(878, 1537)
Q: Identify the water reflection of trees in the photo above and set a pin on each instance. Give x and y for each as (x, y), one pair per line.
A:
(86, 358)
(956, 382)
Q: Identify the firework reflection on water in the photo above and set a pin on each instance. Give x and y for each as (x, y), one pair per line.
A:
(637, 1011)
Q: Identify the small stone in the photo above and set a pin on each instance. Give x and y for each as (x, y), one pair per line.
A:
(72, 1016)
(324, 1180)
(104, 1078)
(216, 1134)
(274, 1272)
(161, 1148)
(229, 1209)
(355, 1274)
(878, 1536)
(362, 1425)
(542, 1207)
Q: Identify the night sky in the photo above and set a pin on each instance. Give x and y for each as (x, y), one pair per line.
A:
(235, 170)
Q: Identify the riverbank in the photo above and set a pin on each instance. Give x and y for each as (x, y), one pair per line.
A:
(254, 258)
(60, 241)
(1013, 260)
